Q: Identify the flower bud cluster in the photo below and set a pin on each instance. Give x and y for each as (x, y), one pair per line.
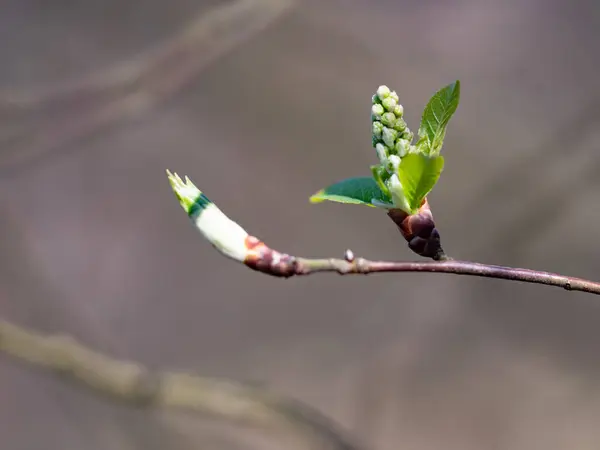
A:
(392, 140)
(391, 136)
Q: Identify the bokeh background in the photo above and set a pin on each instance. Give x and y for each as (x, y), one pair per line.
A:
(261, 111)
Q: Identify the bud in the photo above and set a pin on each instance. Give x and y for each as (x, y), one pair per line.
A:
(382, 152)
(394, 96)
(399, 110)
(393, 163)
(401, 148)
(383, 92)
(389, 104)
(389, 137)
(388, 119)
(376, 111)
(377, 129)
(419, 231)
(400, 125)
(397, 192)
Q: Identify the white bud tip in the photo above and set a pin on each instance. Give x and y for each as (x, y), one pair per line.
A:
(383, 92)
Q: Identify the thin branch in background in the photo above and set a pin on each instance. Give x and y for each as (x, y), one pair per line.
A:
(133, 383)
(134, 87)
(233, 241)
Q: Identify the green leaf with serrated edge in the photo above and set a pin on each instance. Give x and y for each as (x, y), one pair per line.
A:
(418, 174)
(435, 118)
(357, 191)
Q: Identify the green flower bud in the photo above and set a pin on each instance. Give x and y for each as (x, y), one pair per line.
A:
(389, 104)
(375, 99)
(394, 96)
(399, 110)
(398, 196)
(393, 163)
(400, 125)
(402, 148)
(377, 129)
(389, 137)
(376, 112)
(388, 119)
(382, 152)
(408, 135)
(383, 92)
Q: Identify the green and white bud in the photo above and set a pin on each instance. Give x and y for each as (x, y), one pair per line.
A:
(399, 110)
(382, 152)
(402, 148)
(388, 119)
(377, 111)
(393, 163)
(389, 137)
(389, 104)
(377, 129)
(222, 232)
(400, 125)
(398, 197)
(383, 92)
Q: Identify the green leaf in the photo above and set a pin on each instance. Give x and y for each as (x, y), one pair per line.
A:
(357, 191)
(418, 174)
(435, 118)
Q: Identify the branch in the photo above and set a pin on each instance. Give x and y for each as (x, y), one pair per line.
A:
(234, 242)
(133, 383)
(80, 108)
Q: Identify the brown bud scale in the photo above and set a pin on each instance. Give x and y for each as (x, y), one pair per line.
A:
(419, 231)
(262, 258)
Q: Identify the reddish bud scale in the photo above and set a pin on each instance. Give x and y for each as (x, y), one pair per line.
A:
(419, 231)
(262, 258)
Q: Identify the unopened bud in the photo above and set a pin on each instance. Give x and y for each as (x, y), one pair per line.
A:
(377, 129)
(399, 110)
(402, 147)
(389, 104)
(389, 136)
(382, 152)
(393, 163)
(388, 119)
(400, 125)
(377, 111)
(383, 92)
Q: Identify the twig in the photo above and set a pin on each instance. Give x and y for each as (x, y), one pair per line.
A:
(133, 383)
(234, 242)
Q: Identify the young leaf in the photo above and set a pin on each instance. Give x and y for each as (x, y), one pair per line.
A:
(357, 191)
(418, 174)
(435, 118)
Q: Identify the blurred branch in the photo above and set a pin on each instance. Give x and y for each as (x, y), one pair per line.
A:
(233, 241)
(83, 107)
(133, 383)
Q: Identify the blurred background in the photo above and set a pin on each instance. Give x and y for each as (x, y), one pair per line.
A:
(262, 103)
